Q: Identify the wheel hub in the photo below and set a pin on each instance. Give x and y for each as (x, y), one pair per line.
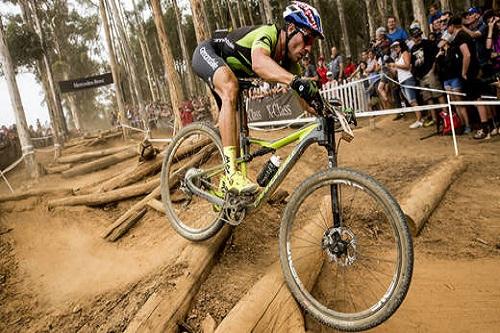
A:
(340, 245)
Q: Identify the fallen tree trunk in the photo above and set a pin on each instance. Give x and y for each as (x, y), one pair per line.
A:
(129, 177)
(108, 197)
(269, 306)
(426, 194)
(111, 234)
(126, 225)
(156, 205)
(164, 309)
(100, 163)
(34, 192)
(102, 139)
(56, 169)
(91, 155)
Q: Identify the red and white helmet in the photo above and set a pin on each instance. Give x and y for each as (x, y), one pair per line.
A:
(304, 15)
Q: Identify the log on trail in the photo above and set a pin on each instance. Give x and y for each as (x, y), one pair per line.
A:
(96, 199)
(101, 163)
(127, 225)
(426, 194)
(166, 308)
(173, 181)
(35, 192)
(131, 176)
(269, 306)
(91, 155)
(52, 169)
(156, 205)
(113, 232)
(102, 139)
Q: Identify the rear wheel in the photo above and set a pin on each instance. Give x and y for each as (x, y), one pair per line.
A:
(353, 276)
(195, 149)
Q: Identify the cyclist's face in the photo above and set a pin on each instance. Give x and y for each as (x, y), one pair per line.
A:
(300, 44)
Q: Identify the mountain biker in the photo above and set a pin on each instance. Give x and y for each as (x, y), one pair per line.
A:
(265, 51)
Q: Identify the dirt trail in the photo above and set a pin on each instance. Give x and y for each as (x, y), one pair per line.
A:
(57, 273)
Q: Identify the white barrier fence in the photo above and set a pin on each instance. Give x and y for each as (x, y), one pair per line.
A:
(352, 94)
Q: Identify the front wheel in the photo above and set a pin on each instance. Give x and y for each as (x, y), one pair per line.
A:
(345, 250)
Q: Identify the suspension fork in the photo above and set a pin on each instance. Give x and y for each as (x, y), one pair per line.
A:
(332, 163)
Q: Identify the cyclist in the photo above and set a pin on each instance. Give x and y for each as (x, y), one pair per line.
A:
(266, 51)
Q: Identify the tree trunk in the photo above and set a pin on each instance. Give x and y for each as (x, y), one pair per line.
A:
(122, 118)
(446, 6)
(382, 9)
(223, 18)
(130, 61)
(185, 53)
(58, 111)
(145, 54)
(345, 35)
(395, 10)
(108, 197)
(321, 50)
(174, 83)
(91, 155)
(249, 8)
(234, 23)
(371, 21)
(241, 14)
(217, 19)
(269, 11)
(419, 14)
(262, 12)
(17, 106)
(100, 163)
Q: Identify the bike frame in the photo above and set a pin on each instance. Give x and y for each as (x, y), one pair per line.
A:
(321, 132)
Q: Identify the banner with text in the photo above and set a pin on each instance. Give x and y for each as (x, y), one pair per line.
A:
(270, 108)
(86, 83)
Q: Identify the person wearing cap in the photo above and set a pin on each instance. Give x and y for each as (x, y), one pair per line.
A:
(402, 65)
(395, 32)
(469, 71)
(321, 69)
(474, 25)
(423, 54)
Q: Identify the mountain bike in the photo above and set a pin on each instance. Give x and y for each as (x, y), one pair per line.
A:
(344, 244)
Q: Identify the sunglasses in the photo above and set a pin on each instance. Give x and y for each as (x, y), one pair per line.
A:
(308, 37)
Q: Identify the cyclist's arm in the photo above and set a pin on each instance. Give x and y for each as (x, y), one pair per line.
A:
(268, 69)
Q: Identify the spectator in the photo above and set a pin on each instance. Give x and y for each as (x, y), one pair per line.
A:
(336, 65)
(474, 25)
(423, 55)
(434, 14)
(350, 67)
(493, 46)
(395, 32)
(309, 69)
(322, 70)
(470, 68)
(402, 65)
(383, 51)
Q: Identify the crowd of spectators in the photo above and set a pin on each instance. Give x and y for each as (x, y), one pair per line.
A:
(461, 54)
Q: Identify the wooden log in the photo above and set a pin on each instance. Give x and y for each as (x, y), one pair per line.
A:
(100, 163)
(129, 223)
(102, 139)
(57, 168)
(173, 181)
(269, 306)
(35, 192)
(426, 194)
(129, 213)
(131, 176)
(165, 308)
(156, 205)
(108, 197)
(91, 155)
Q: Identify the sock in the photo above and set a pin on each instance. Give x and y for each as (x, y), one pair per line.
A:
(491, 123)
(485, 127)
(230, 160)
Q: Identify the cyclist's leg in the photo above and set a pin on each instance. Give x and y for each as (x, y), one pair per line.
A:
(213, 69)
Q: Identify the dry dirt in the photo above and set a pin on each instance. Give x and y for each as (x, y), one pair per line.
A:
(58, 274)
